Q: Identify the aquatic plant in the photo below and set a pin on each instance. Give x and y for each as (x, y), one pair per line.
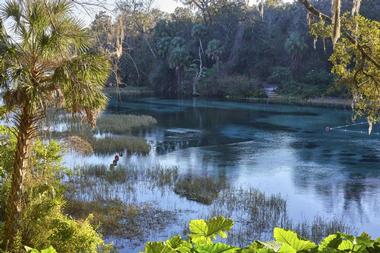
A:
(201, 189)
(121, 123)
(115, 218)
(205, 237)
(113, 144)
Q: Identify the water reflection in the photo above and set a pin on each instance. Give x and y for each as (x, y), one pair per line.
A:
(275, 148)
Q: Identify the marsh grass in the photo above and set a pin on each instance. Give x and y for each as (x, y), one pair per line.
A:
(116, 218)
(156, 176)
(113, 144)
(319, 228)
(121, 123)
(200, 189)
(79, 136)
(255, 213)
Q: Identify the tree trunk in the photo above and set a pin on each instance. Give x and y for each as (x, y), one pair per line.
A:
(21, 163)
(179, 79)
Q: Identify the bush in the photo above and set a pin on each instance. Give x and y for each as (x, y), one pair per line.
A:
(163, 80)
(280, 75)
(230, 86)
(203, 234)
(43, 223)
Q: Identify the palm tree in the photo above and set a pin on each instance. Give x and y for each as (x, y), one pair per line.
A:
(214, 51)
(295, 45)
(178, 59)
(45, 62)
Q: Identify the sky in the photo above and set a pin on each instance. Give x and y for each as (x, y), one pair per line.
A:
(166, 5)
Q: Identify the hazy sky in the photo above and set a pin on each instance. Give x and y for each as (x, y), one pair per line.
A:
(166, 5)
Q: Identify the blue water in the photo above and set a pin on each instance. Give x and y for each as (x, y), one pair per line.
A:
(275, 148)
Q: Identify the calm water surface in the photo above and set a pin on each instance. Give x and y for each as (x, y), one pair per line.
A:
(274, 148)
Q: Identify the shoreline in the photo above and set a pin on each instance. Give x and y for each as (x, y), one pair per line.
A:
(314, 102)
(327, 102)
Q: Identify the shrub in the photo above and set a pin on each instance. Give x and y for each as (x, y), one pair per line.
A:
(43, 223)
(230, 86)
(280, 75)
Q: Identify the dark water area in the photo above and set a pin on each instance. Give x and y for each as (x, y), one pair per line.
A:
(278, 149)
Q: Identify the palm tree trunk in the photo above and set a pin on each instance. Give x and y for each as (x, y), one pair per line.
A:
(21, 163)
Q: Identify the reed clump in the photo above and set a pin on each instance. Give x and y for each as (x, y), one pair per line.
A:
(115, 218)
(200, 189)
(121, 123)
(114, 144)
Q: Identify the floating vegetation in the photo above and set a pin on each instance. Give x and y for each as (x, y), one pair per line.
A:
(121, 123)
(200, 189)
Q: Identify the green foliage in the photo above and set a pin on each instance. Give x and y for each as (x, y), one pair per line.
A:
(179, 57)
(198, 31)
(230, 86)
(204, 232)
(355, 70)
(64, 72)
(48, 250)
(43, 224)
(280, 75)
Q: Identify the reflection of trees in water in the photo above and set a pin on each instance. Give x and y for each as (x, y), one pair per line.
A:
(338, 169)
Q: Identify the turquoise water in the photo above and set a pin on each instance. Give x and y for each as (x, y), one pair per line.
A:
(274, 148)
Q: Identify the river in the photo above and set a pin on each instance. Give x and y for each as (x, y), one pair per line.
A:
(278, 149)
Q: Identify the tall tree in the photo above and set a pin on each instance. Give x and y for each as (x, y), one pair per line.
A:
(356, 56)
(45, 62)
(295, 45)
(198, 33)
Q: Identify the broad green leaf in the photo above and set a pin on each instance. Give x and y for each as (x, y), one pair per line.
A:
(202, 231)
(49, 250)
(290, 241)
(273, 245)
(198, 230)
(157, 247)
(176, 243)
(216, 248)
(365, 240)
(30, 250)
(346, 245)
(331, 241)
(262, 247)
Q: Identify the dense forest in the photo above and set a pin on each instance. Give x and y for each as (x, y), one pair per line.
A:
(54, 68)
(223, 48)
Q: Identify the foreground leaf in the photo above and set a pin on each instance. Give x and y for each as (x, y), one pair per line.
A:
(291, 242)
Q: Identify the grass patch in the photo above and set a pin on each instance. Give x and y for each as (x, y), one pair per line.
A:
(121, 123)
(200, 189)
(157, 176)
(116, 218)
(113, 144)
(319, 228)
